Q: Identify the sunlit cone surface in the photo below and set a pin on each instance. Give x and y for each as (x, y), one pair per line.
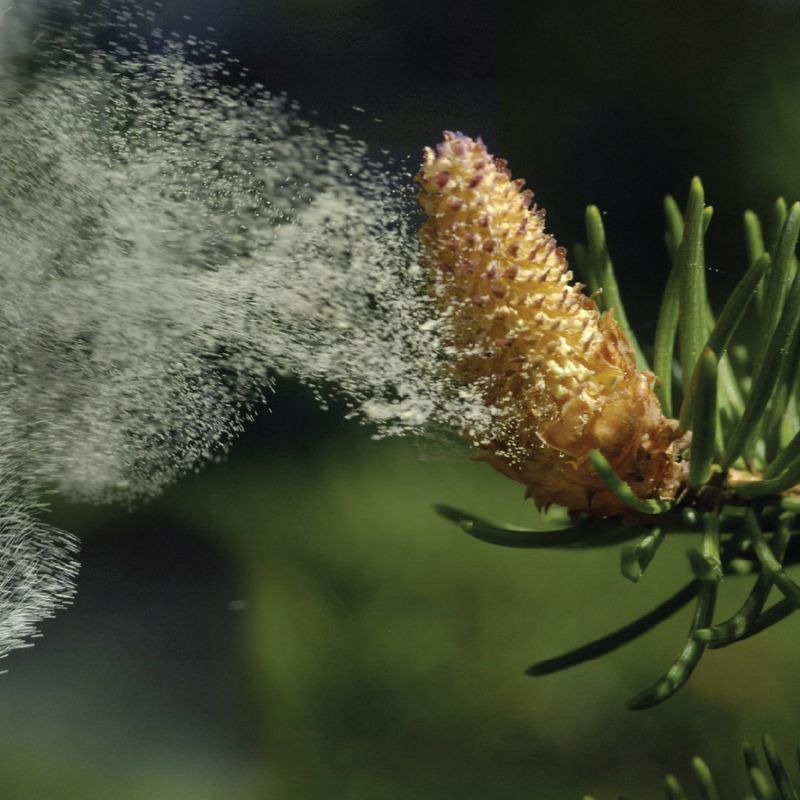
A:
(559, 377)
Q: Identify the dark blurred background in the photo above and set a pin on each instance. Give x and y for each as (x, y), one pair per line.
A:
(296, 623)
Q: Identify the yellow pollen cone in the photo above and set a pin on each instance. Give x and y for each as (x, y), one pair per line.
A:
(558, 376)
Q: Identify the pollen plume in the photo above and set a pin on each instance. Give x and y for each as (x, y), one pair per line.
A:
(559, 377)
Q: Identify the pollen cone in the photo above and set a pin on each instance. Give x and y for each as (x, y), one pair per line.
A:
(558, 377)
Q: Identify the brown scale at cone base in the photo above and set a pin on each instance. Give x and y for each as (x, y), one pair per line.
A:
(559, 377)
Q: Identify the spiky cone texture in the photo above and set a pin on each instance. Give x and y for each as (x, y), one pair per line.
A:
(559, 377)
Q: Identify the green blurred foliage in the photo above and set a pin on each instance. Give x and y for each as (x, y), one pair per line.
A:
(382, 650)
(770, 124)
(386, 648)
